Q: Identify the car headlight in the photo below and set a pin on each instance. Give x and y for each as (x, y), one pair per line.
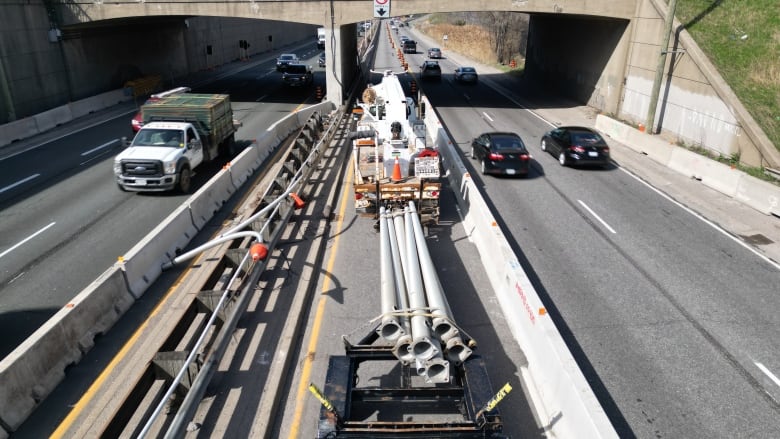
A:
(170, 167)
(117, 167)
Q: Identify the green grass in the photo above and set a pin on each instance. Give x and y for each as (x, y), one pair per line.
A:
(742, 39)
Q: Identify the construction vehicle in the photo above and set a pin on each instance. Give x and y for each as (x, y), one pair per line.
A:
(393, 164)
(179, 133)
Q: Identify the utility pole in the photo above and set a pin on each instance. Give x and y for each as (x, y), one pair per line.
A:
(659, 72)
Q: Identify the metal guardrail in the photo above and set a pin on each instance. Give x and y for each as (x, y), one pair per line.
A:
(278, 203)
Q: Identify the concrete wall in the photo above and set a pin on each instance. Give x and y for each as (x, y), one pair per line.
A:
(695, 107)
(38, 74)
(579, 58)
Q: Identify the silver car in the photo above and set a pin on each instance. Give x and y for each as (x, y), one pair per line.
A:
(466, 74)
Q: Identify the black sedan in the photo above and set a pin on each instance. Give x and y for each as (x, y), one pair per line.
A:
(501, 153)
(466, 75)
(576, 146)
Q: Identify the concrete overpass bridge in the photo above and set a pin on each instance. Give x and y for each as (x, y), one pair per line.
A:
(603, 53)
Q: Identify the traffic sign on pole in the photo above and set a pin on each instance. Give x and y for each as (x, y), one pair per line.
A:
(381, 8)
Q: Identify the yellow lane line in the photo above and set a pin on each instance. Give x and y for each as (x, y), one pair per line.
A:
(303, 385)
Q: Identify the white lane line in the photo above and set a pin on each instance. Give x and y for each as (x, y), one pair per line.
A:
(26, 239)
(486, 116)
(105, 145)
(768, 373)
(596, 216)
(19, 182)
(705, 220)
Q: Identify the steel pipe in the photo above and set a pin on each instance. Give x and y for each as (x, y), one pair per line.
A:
(389, 329)
(423, 345)
(440, 310)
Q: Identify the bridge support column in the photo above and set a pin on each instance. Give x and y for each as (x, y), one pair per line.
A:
(340, 61)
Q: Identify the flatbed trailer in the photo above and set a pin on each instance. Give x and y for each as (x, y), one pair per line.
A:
(402, 406)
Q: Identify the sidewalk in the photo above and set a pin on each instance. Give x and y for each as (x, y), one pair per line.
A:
(756, 230)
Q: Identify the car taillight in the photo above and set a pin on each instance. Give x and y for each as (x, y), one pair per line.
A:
(494, 156)
(524, 156)
(358, 196)
(605, 150)
(577, 148)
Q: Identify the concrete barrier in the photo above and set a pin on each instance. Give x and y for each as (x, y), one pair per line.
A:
(142, 265)
(53, 118)
(242, 167)
(559, 392)
(751, 191)
(33, 370)
(17, 130)
(643, 143)
(91, 104)
(210, 198)
(760, 195)
(716, 175)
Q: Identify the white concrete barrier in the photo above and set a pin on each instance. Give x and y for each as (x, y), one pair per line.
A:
(643, 143)
(142, 265)
(716, 175)
(33, 370)
(760, 195)
(17, 130)
(747, 189)
(243, 166)
(210, 198)
(559, 392)
(91, 104)
(52, 118)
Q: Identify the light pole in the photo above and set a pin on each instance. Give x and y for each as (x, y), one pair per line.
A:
(659, 72)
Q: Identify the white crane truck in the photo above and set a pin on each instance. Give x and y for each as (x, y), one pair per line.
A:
(392, 163)
(179, 133)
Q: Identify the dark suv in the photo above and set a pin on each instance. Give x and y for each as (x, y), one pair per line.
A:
(430, 70)
(297, 75)
(410, 46)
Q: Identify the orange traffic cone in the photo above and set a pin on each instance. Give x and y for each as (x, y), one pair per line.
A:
(396, 171)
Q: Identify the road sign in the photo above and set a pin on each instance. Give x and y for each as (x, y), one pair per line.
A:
(381, 8)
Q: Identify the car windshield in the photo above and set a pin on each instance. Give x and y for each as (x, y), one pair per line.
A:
(467, 70)
(159, 137)
(581, 138)
(287, 57)
(507, 142)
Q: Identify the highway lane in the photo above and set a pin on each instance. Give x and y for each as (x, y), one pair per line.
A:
(672, 321)
(62, 228)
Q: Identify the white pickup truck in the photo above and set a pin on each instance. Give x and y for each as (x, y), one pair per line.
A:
(179, 134)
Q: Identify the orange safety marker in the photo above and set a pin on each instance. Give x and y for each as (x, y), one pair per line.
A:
(258, 251)
(297, 200)
(396, 171)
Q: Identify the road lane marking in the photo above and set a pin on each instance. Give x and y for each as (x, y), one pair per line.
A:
(19, 182)
(768, 373)
(705, 220)
(596, 216)
(26, 239)
(486, 116)
(99, 147)
(303, 384)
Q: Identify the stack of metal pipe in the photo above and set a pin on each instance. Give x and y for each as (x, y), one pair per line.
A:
(415, 314)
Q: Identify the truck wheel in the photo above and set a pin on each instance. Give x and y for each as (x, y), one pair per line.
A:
(229, 146)
(185, 180)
